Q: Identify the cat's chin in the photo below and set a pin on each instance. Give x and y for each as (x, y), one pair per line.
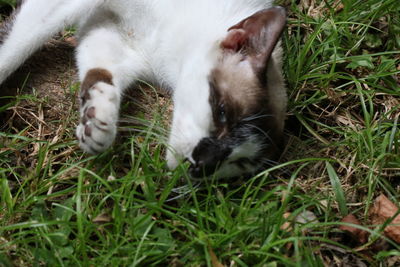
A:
(227, 172)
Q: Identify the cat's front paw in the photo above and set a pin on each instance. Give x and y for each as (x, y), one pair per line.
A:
(99, 115)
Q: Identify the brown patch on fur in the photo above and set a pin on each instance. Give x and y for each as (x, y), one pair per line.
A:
(91, 113)
(92, 77)
(88, 131)
(236, 88)
(251, 73)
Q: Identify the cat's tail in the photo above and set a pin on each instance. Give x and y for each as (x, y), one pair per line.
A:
(34, 24)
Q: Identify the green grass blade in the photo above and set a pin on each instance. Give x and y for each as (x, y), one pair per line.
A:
(337, 189)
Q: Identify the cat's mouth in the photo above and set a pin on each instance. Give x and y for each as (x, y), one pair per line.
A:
(224, 169)
(213, 157)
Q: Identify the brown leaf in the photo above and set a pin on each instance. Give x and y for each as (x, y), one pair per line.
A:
(214, 260)
(384, 210)
(393, 261)
(102, 218)
(286, 226)
(306, 217)
(357, 234)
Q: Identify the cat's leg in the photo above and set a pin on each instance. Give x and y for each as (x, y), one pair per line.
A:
(107, 65)
(35, 23)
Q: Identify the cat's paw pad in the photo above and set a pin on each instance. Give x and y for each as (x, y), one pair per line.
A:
(99, 115)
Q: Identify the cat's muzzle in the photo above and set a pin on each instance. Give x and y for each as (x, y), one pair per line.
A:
(207, 156)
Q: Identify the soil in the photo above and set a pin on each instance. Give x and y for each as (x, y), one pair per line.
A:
(46, 75)
(50, 77)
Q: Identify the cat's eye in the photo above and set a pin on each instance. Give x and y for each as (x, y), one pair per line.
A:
(222, 113)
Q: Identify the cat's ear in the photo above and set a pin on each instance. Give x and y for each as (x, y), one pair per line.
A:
(256, 36)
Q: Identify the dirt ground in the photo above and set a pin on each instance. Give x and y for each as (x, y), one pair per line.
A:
(46, 76)
(51, 75)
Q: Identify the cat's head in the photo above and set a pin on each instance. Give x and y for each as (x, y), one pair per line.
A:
(230, 121)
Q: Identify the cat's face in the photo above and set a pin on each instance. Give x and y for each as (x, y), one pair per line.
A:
(226, 125)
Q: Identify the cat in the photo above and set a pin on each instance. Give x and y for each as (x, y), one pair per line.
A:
(221, 59)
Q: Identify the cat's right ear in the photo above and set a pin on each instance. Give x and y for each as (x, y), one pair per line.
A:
(257, 36)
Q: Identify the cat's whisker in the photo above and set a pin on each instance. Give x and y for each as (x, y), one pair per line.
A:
(183, 191)
(271, 163)
(266, 135)
(255, 117)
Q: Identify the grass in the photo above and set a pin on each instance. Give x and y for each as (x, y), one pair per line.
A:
(124, 208)
(8, 2)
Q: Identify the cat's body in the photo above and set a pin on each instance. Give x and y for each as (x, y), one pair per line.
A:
(183, 45)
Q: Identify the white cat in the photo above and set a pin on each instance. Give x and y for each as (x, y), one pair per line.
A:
(220, 58)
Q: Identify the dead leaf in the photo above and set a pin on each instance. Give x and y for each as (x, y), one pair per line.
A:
(357, 234)
(286, 226)
(111, 178)
(102, 218)
(305, 217)
(214, 260)
(393, 261)
(384, 210)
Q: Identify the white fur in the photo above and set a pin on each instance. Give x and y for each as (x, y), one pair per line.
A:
(172, 42)
(245, 150)
(103, 126)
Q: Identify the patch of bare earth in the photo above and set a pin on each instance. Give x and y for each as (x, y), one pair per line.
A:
(47, 78)
(49, 109)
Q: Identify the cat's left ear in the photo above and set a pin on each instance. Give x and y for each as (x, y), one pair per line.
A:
(256, 36)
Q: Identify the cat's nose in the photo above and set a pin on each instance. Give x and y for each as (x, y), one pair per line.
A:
(197, 169)
(207, 157)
